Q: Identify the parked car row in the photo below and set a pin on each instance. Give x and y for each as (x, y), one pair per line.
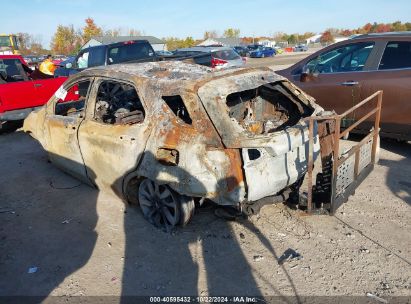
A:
(338, 76)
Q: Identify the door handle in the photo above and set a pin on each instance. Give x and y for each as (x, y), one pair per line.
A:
(349, 83)
(36, 85)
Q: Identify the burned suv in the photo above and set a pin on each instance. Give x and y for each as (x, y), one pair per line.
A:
(162, 134)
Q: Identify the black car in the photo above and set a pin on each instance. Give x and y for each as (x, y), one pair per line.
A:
(107, 54)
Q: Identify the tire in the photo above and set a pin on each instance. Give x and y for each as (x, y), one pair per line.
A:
(163, 207)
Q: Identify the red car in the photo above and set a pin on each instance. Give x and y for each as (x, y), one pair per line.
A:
(22, 90)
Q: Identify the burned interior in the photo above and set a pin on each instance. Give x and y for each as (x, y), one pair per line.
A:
(266, 109)
(118, 103)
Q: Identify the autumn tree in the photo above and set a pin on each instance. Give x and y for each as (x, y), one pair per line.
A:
(210, 34)
(346, 33)
(382, 28)
(231, 33)
(327, 38)
(65, 41)
(366, 28)
(90, 30)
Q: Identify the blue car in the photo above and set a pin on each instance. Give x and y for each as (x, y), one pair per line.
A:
(263, 52)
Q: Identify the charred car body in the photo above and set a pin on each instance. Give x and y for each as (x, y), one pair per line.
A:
(164, 133)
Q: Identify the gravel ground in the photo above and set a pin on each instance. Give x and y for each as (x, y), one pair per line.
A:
(78, 241)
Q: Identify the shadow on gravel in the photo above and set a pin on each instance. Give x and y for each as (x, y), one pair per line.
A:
(48, 232)
(52, 235)
(204, 258)
(398, 176)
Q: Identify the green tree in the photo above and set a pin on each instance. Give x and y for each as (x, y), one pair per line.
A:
(292, 39)
(90, 30)
(177, 43)
(231, 33)
(397, 26)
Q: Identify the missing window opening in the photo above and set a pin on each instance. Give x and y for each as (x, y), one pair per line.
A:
(176, 104)
(265, 109)
(118, 103)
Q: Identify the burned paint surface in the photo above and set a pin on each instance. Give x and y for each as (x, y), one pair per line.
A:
(198, 150)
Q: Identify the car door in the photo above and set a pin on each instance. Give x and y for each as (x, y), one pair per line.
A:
(392, 74)
(335, 77)
(18, 92)
(65, 113)
(45, 88)
(113, 136)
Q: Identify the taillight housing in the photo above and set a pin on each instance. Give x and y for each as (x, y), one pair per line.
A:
(218, 63)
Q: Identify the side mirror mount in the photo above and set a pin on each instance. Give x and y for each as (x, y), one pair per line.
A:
(69, 65)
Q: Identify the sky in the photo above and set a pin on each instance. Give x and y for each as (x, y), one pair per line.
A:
(182, 18)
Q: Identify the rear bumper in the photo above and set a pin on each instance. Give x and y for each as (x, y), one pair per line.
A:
(17, 114)
(267, 174)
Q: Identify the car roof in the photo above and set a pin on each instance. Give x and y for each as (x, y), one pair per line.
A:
(165, 71)
(206, 49)
(382, 35)
(107, 45)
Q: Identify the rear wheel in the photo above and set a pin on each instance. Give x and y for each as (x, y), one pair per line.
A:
(163, 207)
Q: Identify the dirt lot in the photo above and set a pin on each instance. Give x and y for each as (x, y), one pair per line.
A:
(77, 241)
(280, 61)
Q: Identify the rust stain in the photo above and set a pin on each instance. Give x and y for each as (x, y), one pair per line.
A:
(235, 173)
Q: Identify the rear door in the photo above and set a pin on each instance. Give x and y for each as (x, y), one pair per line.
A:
(45, 88)
(337, 76)
(392, 74)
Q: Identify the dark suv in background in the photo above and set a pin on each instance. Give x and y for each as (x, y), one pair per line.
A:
(342, 74)
(107, 54)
